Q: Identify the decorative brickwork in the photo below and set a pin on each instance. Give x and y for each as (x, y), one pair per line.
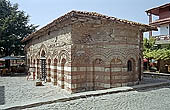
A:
(88, 52)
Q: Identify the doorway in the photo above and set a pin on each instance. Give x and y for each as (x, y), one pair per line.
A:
(43, 70)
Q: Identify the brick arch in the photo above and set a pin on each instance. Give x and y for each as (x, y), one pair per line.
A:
(43, 48)
(64, 54)
(98, 56)
(49, 56)
(98, 53)
(53, 58)
(38, 55)
(116, 54)
(64, 61)
(132, 55)
(42, 53)
(55, 61)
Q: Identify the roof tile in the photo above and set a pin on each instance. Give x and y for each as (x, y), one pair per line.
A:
(85, 13)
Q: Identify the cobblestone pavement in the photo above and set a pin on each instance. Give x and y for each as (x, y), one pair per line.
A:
(149, 99)
(19, 91)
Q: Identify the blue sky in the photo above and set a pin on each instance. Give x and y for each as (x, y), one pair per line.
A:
(44, 11)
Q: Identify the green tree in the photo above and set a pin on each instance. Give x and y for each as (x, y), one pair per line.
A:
(14, 26)
(149, 44)
(152, 51)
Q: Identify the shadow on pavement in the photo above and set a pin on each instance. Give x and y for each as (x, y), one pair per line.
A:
(2, 95)
(152, 88)
(164, 83)
(15, 75)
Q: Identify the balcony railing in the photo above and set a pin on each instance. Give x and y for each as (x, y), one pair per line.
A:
(162, 39)
(158, 22)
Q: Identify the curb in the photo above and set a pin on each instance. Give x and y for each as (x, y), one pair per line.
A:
(158, 74)
(92, 93)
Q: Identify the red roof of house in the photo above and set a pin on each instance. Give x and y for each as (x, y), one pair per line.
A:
(155, 10)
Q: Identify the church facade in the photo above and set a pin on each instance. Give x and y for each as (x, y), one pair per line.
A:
(82, 51)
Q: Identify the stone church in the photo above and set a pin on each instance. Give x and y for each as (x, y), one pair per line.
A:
(82, 51)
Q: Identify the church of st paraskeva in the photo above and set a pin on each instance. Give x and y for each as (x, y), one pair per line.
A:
(82, 51)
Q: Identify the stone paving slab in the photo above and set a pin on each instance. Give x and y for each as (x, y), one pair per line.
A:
(18, 91)
(157, 98)
(89, 94)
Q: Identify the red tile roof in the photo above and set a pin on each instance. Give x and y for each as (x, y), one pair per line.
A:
(74, 13)
(155, 10)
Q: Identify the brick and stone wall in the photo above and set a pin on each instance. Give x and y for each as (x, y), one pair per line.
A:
(88, 54)
(100, 53)
(56, 46)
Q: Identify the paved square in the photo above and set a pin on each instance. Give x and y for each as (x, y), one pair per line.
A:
(17, 91)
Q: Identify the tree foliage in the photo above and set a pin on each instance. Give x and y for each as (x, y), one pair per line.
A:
(14, 25)
(155, 51)
(148, 44)
(160, 54)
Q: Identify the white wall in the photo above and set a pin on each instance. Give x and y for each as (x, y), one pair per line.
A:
(164, 29)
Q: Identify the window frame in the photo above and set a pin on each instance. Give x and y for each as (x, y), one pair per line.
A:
(129, 66)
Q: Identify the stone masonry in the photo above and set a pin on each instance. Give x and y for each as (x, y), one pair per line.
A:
(88, 51)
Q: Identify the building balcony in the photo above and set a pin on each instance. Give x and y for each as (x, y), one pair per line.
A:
(160, 22)
(162, 39)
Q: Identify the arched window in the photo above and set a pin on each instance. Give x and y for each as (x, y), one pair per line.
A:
(129, 65)
(116, 61)
(43, 54)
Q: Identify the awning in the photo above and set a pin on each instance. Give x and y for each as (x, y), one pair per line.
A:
(1, 60)
(10, 58)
